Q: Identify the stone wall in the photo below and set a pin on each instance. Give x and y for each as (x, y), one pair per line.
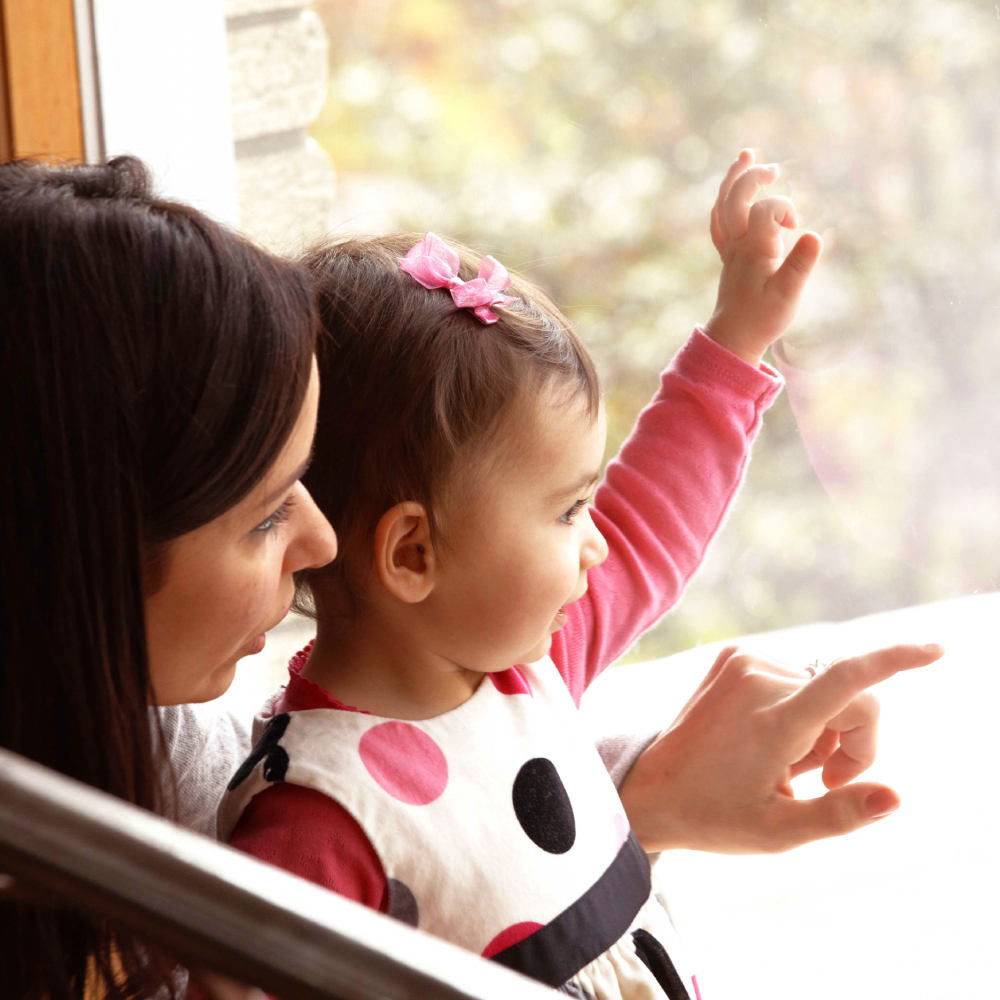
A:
(278, 67)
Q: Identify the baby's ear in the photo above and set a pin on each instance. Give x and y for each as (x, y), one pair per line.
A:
(404, 556)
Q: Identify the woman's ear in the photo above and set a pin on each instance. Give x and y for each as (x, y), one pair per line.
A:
(404, 556)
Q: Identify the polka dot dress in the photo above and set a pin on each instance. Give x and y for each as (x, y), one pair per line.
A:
(498, 829)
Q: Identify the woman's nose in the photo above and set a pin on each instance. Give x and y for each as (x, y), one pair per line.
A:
(316, 542)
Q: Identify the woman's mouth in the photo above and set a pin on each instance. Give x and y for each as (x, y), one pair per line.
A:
(257, 644)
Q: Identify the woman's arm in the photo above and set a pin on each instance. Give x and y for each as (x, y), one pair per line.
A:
(202, 746)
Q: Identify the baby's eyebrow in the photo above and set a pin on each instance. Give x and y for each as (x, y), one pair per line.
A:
(585, 482)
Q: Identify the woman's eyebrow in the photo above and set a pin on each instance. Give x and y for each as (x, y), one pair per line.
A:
(293, 478)
(586, 480)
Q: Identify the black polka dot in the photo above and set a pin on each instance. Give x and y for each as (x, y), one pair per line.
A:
(402, 903)
(654, 956)
(276, 762)
(542, 806)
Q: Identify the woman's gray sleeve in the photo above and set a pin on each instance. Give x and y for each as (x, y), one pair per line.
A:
(203, 745)
(619, 752)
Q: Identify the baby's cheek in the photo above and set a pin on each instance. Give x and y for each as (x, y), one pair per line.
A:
(505, 622)
(562, 574)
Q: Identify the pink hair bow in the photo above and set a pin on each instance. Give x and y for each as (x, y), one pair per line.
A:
(435, 265)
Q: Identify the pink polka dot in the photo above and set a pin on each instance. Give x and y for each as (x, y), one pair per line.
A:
(405, 761)
(621, 830)
(511, 681)
(513, 934)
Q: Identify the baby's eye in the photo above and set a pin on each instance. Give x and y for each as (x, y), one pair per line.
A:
(282, 514)
(567, 517)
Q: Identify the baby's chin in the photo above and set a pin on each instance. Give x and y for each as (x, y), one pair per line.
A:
(542, 647)
(539, 650)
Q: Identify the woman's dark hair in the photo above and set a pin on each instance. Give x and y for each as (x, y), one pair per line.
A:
(153, 365)
(409, 382)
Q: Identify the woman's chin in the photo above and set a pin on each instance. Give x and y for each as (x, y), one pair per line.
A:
(219, 683)
(215, 685)
(223, 686)
(221, 680)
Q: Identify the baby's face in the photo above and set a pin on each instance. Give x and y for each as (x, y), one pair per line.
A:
(518, 537)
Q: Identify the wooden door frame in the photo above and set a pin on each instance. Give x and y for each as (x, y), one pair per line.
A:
(6, 130)
(40, 104)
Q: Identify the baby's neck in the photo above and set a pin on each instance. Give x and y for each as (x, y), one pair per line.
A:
(371, 666)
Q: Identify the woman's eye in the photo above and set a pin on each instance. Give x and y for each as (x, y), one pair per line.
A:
(281, 515)
(567, 517)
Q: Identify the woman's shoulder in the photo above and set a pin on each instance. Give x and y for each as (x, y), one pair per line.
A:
(202, 745)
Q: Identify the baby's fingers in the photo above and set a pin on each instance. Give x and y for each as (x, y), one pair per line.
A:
(744, 160)
(766, 220)
(789, 280)
(718, 240)
(735, 214)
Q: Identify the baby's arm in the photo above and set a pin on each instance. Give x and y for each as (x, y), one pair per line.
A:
(662, 501)
(309, 834)
(668, 491)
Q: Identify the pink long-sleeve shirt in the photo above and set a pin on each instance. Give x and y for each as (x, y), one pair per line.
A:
(662, 501)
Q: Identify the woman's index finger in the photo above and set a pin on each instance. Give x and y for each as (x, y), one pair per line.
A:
(833, 688)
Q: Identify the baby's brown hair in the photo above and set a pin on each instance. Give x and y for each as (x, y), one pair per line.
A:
(408, 381)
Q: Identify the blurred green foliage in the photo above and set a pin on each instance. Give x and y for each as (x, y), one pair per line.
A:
(582, 141)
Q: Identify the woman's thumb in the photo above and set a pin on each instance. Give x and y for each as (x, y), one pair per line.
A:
(841, 811)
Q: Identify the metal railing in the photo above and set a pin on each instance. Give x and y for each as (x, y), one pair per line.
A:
(211, 906)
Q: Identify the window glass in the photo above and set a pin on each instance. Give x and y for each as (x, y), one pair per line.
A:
(583, 141)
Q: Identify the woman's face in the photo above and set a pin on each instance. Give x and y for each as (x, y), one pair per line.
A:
(229, 581)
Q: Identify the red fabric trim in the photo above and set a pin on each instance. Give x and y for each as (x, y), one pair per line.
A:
(301, 693)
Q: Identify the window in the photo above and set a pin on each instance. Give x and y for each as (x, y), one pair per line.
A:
(581, 141)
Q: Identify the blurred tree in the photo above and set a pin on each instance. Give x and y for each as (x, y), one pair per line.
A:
(582, 141)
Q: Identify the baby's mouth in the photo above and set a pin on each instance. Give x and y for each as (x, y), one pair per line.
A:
(559, 620)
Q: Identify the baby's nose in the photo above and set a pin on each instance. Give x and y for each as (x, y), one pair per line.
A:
(595, 549)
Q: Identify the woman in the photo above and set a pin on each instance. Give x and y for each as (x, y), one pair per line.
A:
(157, 413)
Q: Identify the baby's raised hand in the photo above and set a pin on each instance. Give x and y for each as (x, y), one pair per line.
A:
(760, 288)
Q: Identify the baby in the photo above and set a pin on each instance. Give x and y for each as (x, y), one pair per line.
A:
(426, 758)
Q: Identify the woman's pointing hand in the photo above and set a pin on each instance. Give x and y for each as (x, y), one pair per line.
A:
(719, 779)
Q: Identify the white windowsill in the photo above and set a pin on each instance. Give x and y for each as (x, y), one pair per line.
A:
(906, 908)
